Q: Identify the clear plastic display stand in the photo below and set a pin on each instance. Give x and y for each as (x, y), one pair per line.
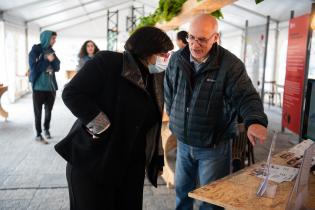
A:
(267, 189)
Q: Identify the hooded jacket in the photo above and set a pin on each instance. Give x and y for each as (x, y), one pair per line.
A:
(39, 64)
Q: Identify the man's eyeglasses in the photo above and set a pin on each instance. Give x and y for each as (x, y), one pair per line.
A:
(200, 41)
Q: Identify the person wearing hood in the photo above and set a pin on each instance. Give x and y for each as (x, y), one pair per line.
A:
(43, 64)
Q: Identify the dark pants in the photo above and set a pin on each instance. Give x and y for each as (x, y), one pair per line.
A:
(40, 98)
(86, 192)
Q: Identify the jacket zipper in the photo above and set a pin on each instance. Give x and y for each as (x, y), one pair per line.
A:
(211, 90)
(186, 103)
(186, 121)
(187, 110)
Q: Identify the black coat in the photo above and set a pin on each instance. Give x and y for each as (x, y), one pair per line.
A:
(111, 82)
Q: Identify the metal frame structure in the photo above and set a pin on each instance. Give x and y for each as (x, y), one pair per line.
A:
(245, 41)
(131, 21)
(112, 30)
(266, 40)
(1, 15)
(265, 59)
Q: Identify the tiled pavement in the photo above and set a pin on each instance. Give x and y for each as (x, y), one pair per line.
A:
(32, 175)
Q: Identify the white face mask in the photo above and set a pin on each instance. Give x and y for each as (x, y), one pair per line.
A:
(159, 66)
(154, 69)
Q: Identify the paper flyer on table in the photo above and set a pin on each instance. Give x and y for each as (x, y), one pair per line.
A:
(277, 173)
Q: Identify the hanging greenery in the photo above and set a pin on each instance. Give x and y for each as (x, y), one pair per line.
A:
(168, 9)
(165, 12)
(148, 20)
(258, 1)
(218, 14)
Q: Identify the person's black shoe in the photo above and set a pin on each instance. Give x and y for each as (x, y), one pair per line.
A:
(47, 134)
(40, 139)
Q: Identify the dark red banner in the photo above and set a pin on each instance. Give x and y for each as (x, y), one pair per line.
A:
(295, 73)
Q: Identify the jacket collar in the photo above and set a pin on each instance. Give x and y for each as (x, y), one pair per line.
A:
(212, 62)
(132, 73)
(131, 70)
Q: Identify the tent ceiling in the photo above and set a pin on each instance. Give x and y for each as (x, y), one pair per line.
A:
(59, 14)
(50, 12)
(278, 11)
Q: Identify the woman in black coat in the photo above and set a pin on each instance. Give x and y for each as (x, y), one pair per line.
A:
(118, 101)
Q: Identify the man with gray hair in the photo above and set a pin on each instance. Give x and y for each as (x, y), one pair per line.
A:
(206, 87)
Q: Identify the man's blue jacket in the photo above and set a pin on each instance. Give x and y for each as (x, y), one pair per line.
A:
(203, 106)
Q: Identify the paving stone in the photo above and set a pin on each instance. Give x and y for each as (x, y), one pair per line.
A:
(17, 204)
(22, 181)
(32, 175)
(50, 199)
(53, 180)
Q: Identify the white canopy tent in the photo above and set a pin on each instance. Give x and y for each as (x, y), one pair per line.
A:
(63, 15)
(78, 20)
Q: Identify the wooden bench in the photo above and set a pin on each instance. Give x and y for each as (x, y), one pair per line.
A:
(70, 74)
(169, 143)
(3, 113)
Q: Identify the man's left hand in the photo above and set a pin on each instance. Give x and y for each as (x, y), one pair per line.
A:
(256, 131)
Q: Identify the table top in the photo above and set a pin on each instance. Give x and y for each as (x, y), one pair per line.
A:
(238, 191)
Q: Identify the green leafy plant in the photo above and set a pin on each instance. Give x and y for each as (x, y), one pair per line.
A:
(258, 1)
(170, 8)
(148, 20)
(165, 12)
(218, 14)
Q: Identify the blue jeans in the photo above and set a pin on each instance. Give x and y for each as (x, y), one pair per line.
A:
(202, 164)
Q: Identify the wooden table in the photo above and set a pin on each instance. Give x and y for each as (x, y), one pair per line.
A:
(238, 191)
(3, 113)
(70, 74)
